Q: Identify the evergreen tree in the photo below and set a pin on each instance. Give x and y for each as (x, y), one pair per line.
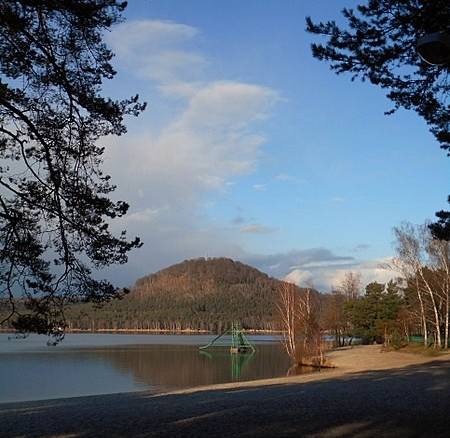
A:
(374, 316)
(55, 207)
(379, 45)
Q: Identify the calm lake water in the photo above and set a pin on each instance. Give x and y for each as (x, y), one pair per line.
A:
(88, 364)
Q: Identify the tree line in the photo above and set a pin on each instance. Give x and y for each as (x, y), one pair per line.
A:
(414, 306)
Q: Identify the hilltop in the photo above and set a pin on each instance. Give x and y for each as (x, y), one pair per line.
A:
(198, 294)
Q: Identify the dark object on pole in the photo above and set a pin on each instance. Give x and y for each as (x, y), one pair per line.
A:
(434, 48)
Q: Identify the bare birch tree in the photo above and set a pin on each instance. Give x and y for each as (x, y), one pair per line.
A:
(407, 263)
(286, 306)
(439, 253)
(302, 334)
(424, 262)
(310, 345)
(350, 285)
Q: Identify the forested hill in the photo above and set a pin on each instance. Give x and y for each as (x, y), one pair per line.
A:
(205, 294)
(198, 277)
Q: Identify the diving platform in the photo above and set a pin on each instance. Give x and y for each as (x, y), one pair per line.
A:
(239, 342)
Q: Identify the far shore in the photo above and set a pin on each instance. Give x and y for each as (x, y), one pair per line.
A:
(160, 331)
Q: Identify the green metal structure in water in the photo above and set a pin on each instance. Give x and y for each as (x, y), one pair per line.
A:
(241, 349)
(239, 342)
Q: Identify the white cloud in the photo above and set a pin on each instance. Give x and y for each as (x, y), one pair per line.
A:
(328, 277)
(138, 36)
(212, 136)
(156, 50)
(168, 66)
(179, 88)
(320, 267)
(371, 270)
(297, 259)
(146, 215)
(211, 140)
(329, 264)
(299, 277)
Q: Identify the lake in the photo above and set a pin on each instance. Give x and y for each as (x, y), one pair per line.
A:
(90, 364)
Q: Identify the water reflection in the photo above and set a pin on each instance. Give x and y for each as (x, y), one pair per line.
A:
(39, 372)
(184, 366)
(238, 361)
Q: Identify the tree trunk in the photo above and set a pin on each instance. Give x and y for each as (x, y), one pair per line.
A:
(446, 321)
(437, 322)
(422, 313)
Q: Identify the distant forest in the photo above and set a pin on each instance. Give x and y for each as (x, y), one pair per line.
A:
(199, 294)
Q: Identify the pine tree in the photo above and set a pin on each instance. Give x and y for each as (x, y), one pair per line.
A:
(379, 44)
(55, 208)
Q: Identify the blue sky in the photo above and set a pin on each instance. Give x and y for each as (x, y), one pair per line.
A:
(252, 149)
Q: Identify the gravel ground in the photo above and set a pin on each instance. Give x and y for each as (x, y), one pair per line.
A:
(369, 394)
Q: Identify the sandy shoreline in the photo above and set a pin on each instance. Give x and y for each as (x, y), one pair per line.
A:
(358, 359)
(371, 393)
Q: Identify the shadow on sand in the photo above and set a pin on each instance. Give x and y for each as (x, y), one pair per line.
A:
(408, 402)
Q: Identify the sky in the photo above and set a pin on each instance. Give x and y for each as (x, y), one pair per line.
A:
(252, 149)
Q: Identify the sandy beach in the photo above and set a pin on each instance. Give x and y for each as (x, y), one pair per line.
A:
(347, 361)
(369, 393)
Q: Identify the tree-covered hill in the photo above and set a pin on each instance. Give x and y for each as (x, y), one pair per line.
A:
(199, 294)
